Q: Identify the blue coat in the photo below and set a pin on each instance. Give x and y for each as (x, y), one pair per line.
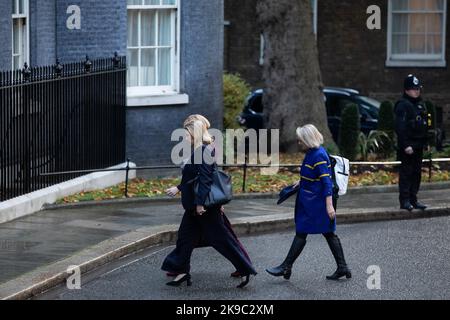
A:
(311, 215)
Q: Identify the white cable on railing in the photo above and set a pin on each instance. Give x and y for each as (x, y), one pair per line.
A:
(438, 160)
(365, 163)
(395, 162)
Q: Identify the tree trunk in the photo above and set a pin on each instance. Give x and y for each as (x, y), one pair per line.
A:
(293, 92)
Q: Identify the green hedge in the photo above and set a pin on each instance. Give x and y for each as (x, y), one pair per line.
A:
(349, 131)
(431, 109)
(386, 124)
(235, 90)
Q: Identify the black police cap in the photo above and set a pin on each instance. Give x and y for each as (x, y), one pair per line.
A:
(412, 82)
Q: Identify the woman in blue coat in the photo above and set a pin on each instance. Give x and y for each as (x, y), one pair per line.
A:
(314, 209)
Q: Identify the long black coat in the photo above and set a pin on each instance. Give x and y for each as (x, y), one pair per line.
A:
(210, 229)
(203, 169)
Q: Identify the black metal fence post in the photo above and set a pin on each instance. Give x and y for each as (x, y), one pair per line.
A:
(57, 119)
(25, 98)
(116, 60)
(244, 178)
(126, 177)
(87, 65)
(430, 168)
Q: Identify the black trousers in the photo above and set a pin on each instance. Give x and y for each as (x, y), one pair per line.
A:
(410, 175)
(212, 228)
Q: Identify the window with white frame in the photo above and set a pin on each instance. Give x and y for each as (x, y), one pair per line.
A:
(416, 33)
(20, 40)
(152, 47)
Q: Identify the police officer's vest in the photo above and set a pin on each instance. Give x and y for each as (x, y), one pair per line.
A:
(416, 119)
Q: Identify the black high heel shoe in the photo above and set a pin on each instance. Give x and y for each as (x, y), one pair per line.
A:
(177, 283)
(245, 282)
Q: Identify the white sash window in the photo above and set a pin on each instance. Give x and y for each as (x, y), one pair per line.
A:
(152, 47)
(416, 33)
(20, 39)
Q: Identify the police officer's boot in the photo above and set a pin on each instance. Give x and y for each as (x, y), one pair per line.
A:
(338, 253)
(406, 205)
(285, 268)
(418, 205)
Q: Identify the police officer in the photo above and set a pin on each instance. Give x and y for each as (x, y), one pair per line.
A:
(411, 127)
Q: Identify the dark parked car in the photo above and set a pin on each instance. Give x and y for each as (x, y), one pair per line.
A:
(336, 99)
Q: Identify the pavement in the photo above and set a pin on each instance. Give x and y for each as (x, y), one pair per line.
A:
(36, 251)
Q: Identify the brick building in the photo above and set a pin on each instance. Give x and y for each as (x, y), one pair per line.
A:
(174, 51)
(414, 38)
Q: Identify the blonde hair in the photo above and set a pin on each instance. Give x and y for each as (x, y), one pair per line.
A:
(310, 136)
(198, 117)
(197, 126)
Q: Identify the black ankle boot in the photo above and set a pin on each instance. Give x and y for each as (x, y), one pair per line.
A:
(285, 268)
(418, 205)
(406, 205)
(338, 253)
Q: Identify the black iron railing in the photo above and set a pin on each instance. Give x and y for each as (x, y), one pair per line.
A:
(244, 168)
(60, 118)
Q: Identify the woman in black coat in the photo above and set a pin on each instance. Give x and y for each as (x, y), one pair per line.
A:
(201, 241)
(209, 224)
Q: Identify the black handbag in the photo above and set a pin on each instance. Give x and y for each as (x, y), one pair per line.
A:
(221, 189)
